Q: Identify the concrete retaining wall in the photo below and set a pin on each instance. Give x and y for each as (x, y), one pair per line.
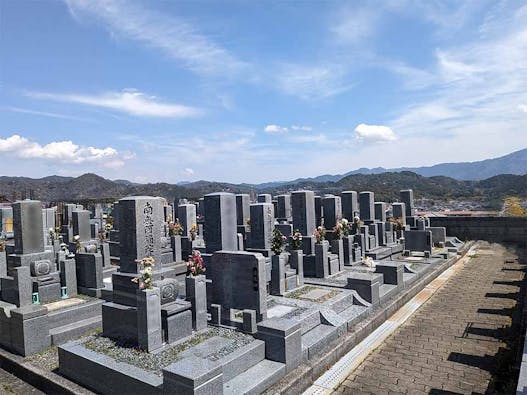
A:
(492, 229)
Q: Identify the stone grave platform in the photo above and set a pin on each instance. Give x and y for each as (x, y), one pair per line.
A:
(215, 360)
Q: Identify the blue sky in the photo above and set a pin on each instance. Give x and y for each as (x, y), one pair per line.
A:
(244, 91)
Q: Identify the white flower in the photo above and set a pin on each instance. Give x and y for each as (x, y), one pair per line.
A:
(76, 237)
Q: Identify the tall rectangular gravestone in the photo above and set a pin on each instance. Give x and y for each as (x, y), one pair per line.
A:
(27, 221)
(220, 222)
(366, 206)
(81, 224)
(238, 282)
(284, 207)
(187, 217)
(399, 211)
(407, 197)
(380, 211)
(262, 225)
(303, 204)
(350, 204)
(332, 210)
(242, 208)
(141, 224)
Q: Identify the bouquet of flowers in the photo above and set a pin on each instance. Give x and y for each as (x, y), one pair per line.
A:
(145, 281)
(78, 245)
(296, 240)
(346, 226)
(175, 228)
(108, 227)
(101, 235)
(397, 223)
(193, 231)
(368, 261)
(320, 234)
(277, 242)
(357, 223)
(338, 230)
(195, 264)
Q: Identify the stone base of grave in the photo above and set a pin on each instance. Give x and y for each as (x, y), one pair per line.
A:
(222, 361)
(33, 328)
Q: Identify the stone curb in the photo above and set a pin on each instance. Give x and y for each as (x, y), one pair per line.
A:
(302, 377)
(47, 382)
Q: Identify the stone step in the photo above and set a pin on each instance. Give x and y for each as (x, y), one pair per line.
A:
(341, 301)
(317, 338)
(72, 331)
(309, 320)
(75, 313)
(241, 359)
(256, 379)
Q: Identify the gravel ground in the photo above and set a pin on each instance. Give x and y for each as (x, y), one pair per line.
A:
(156, 362)
(10, 384)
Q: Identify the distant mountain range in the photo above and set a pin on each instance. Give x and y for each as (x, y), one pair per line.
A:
(481, 182)
(514, 163)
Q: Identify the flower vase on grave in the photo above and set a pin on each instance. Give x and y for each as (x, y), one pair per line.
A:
(337, 247)
(278, 274)
(196, 294)
(296, 261)
(149, 334)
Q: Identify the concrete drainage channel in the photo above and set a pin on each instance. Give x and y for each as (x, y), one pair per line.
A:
(324, 373)
(332, 378)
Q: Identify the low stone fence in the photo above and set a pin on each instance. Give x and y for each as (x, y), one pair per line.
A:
(491, 229)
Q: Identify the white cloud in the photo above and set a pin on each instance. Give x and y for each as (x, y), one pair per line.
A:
(522, 107)
(128, 101)
(374, 133)
(283, 129)
(302, 128)
(275, 129)
(188, 171)
(172, 35)
(62, 151)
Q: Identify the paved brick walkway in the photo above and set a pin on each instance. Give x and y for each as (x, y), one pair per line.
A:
(462, 340)
(10, 384)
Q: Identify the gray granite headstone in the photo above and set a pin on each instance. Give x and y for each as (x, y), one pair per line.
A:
(407, 197)
(238, 282)
(220, 222)
(27, 226)
(242, 208)
(350, 204)
(81, 224)
(141, 224)
(264, 198)
(303, 205)
(380, 211)
(366, 206)
(187, 217)
(332, 211)
(284, 207)
(262, 225)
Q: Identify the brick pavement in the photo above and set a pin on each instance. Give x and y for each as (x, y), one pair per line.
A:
(462, 340)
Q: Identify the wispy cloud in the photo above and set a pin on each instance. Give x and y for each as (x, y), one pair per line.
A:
(129, 101)
(43, 113)
(62, 151)
(170, 34)
(283, 129)
(312, 82)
